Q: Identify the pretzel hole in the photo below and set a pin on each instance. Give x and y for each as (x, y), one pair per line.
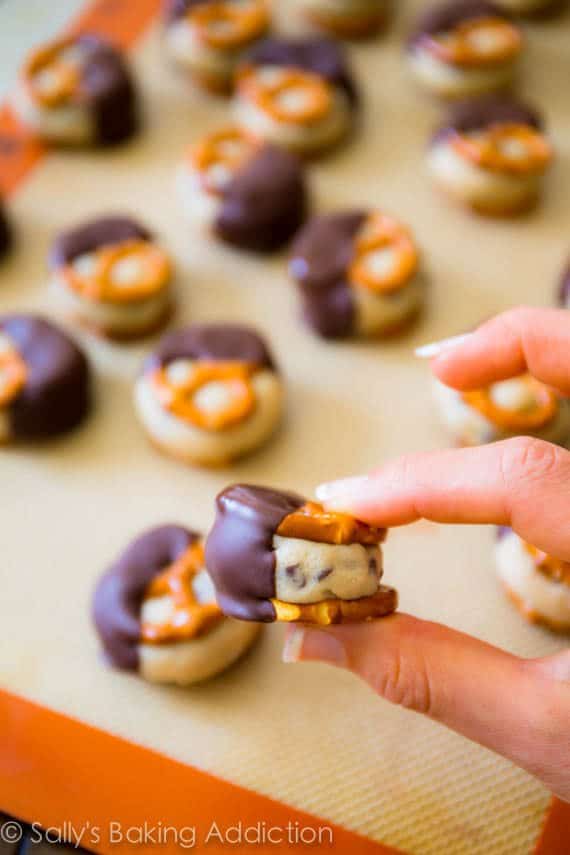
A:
(521, 403)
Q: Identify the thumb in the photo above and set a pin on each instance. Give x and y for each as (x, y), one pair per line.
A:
(517, 708)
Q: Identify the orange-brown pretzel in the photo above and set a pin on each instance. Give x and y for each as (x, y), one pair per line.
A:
(230, 147)
(549, 566)
(268, 95)
(223, 25)
(381, 232)
(13, 375)
(492, 149)
(190, 617)
(313, 522)
(544, 409)
(381, 604)
(66, 74)
(462, 46)
(155, 272)
(179, 399)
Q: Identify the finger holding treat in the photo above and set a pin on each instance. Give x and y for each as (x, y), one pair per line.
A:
(491, 155)
(78, 91)
(44, 380)
(156, 613)
(297, 93)
(210, 394)
(274, 556)
(208, 37)
(250, 194)
(464, 49)
(110, 275)
(359, 274)
(348, 19)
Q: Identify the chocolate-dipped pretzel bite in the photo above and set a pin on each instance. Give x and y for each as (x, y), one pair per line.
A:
(491, 155)
(251, 194)
(111, 276)
(208, 37)
(156, 613)
(564, 289)
(358, 274)
(520, 406)
(276, 556)
(464, 48)
(44, 380)
(210, 393)
(78, 91)
(347, 18)
(296, 93)
(538, 584)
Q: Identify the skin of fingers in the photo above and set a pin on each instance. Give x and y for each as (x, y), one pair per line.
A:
(522, 482)
(517, 708)
(520, 340)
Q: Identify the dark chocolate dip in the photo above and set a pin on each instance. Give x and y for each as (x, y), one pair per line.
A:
(119, 595)
(239, 549)
(479, 114)
(5, 233)
(443, 18)
(88, 237)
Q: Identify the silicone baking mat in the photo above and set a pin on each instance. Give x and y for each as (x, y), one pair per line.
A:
(265, 742)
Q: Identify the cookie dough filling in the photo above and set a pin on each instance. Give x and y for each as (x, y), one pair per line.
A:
(156, 612)
(537, 583)
(520, 406)
(274, 556)
(347, 18)
(208, 37)
(358, 274)
(210, 394)
(465, 49)
(77, 91)
(110, 276)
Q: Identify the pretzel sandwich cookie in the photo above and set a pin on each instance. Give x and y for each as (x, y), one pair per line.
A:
(78, 91)
(358, 274)
(296, 93)
(44, 380)
(538, 584)
(464, 49)
(210, 393)
(249, 194)
(349, 19)
(156, 614)
(491, 155)
(208, 37)
(112, 277)
(274, 556)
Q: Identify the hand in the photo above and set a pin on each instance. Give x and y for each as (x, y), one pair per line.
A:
(517, 707)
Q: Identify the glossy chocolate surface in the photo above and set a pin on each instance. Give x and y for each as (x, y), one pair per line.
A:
(481, 113)
(445, 17)
(5, 233)
(90, 236)
(212, 343)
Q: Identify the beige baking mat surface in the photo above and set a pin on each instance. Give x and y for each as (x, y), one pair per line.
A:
(307, 735)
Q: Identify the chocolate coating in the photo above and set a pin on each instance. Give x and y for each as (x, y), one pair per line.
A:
(564, 292)
(322, 56)
(119, 595)
(481, 113)
(56, 396)
(320, 258)
(441, 19)
(88, 237)
(214, 343)
(5, 233)
(239, 549)
(266, 202)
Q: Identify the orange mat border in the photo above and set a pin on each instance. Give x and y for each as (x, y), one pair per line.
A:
(56, 770)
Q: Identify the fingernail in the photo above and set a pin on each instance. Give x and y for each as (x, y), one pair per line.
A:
(428, 351)
(293, 645)
(338, 495)
(323, 647)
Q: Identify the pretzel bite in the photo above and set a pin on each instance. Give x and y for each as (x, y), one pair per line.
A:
(250, 194)
(275, 556)
(156, 614)
(110, 276)
(77, 91)
(358, 274)
(347, 19)
(491, 155)
(5, 233)
(209, 394)
(464, 48)
(538, 584)
(521, 406)
(208, 37)
(296, 93)
(44, 380)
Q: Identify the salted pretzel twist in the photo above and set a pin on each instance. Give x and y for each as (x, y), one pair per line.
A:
(223, 25)
(381, 232)
(58, 73)
(287, 95)
(506, 147)
(543, 410)
(478, 42)
(229, 148)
